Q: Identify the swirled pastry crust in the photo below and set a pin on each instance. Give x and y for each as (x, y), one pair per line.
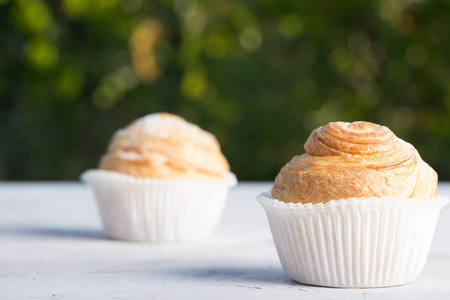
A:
(164, 146)
(359, 159)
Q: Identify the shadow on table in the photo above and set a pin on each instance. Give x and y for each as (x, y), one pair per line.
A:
(248, 277)
(74, 233)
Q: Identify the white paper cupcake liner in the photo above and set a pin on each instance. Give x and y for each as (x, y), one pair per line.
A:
(158, 210)
(357, 242)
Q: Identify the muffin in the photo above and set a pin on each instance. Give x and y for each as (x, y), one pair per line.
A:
(162, 179)
(359, 209)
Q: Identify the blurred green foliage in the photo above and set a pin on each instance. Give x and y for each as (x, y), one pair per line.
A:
(260, 75)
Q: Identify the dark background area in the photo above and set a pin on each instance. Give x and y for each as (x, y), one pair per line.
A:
(260, 75)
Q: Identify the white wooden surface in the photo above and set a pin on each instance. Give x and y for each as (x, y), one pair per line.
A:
(52, 247)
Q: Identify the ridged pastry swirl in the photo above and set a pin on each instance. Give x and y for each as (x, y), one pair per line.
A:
(359, 159)
(164, 146)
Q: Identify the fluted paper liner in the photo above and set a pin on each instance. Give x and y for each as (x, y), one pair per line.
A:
(158, 210)
(357, 242)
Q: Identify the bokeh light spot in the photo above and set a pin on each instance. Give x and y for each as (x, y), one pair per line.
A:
(217, 45)
(76, 8)
(41, 53)
(68, 84)
(193, 84)
(35, 16)
(113, 87)
(290, 25)
(250, 39)
(142, 43)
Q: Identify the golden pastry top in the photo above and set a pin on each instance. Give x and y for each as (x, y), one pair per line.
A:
(163, 145)
(359, 159)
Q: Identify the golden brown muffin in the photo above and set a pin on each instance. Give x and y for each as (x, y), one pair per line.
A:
(163, 145)
(359, 159)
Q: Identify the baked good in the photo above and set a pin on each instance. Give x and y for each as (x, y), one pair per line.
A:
(358, 210)
(359, 159)
(164, 145)
(162, 180)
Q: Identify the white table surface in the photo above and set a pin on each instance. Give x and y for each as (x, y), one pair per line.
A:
(52, 247)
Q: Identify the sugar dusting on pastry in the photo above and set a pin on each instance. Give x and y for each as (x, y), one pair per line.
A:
(161, 124)
(163, 145)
